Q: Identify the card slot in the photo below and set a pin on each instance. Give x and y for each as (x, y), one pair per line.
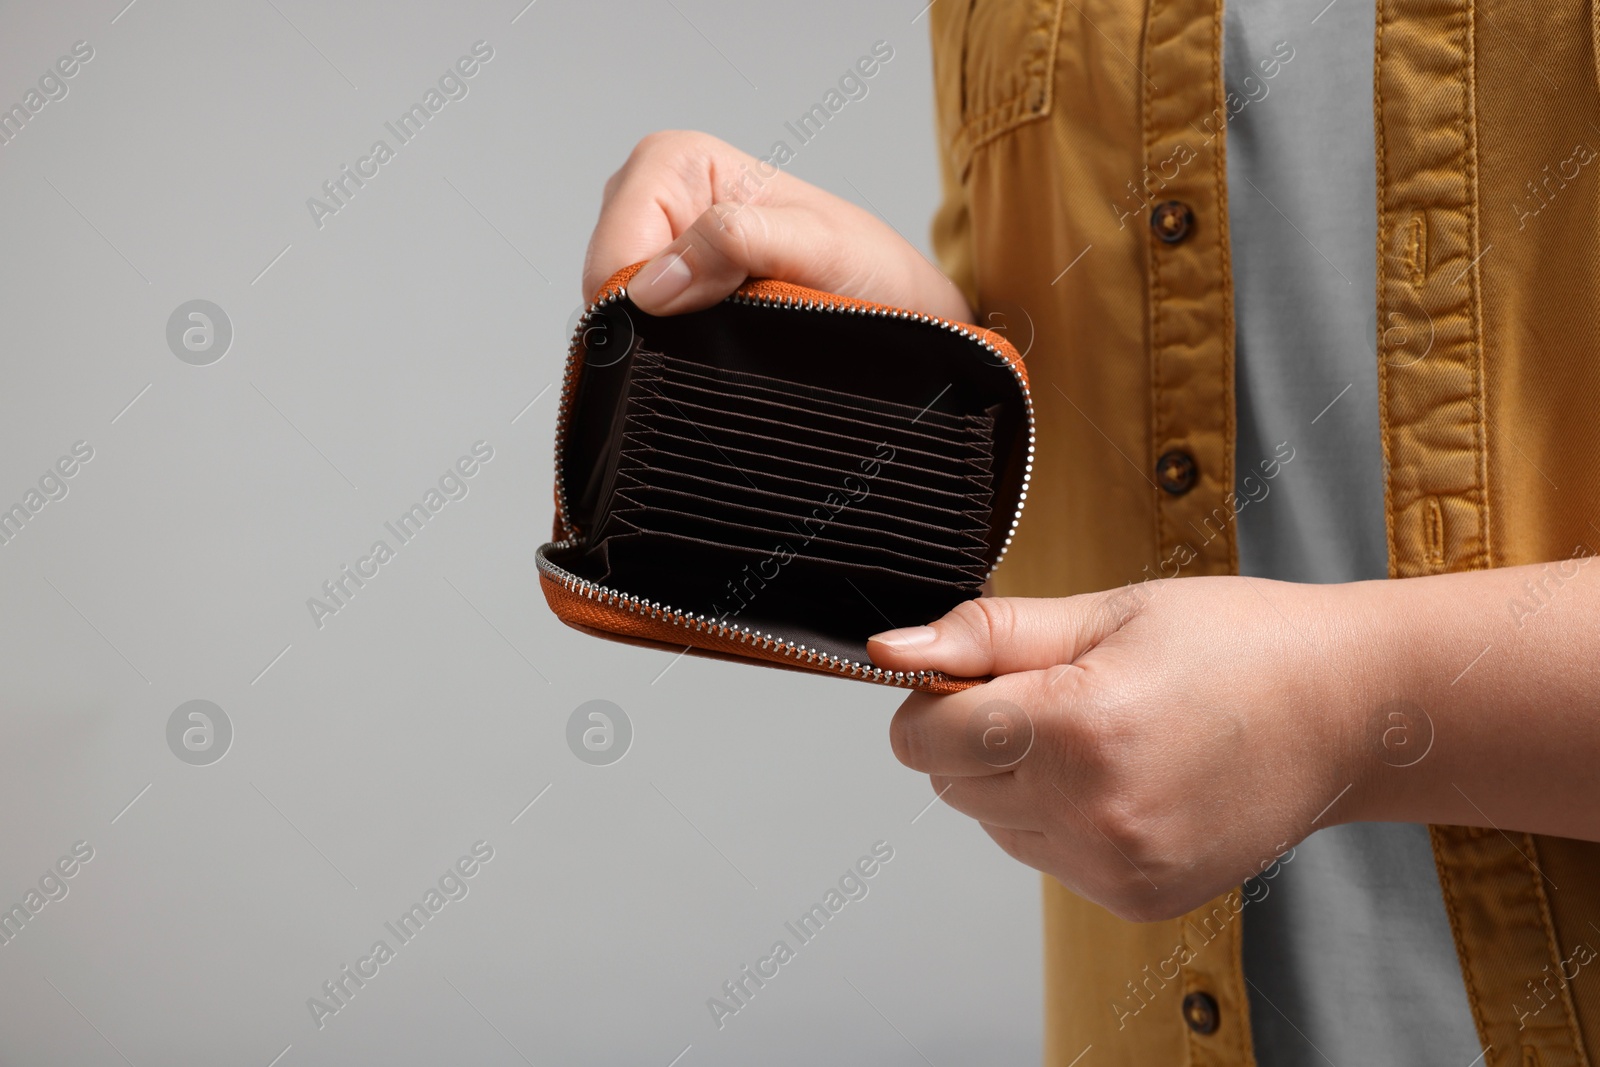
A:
(975, 501)
(845, 405)
(659, 470)
(841, 519)
(815, 602)
(749, 511)
(910, 412)
(775, 433)
(961, 518)
(973, 442)
(653, 517)
(958, 457)
(855, 406)
(971, 445)
(763, 445)
(819, 393)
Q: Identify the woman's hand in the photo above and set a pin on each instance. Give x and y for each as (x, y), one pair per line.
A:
(1154, 746)
(708, 216)
(1150, 748)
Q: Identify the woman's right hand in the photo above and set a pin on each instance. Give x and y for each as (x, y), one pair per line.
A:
(707, 216)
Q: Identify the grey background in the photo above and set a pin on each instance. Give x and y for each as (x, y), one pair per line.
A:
(427, 714)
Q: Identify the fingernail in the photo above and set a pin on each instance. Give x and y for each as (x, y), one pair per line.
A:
(911, 637)
(662, 279)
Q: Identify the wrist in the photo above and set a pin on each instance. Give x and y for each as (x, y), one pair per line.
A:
(1387, 731)
(1437, 643)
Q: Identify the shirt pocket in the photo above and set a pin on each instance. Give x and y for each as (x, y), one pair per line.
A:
(1007, 69)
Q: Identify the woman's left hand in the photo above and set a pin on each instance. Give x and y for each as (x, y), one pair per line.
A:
(1154, 746)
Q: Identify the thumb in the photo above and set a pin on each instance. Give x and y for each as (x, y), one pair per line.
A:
(732, 241)
(1004, 635)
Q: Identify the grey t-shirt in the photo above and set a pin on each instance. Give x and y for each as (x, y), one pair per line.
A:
(1349, 955)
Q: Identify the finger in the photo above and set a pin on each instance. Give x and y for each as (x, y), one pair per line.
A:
(664, 185)
(971, 734)
(701, 213)
(1004, 635)
(998, 799)
(697, 209)
(733, 241)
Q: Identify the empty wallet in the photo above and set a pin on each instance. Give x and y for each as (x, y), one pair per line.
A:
(782, 475)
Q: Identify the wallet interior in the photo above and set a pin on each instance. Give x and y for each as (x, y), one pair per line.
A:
(817, 475)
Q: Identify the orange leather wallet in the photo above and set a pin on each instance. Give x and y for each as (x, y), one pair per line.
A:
(782, 475)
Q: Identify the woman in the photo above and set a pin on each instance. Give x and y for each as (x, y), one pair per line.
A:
(1305, 571)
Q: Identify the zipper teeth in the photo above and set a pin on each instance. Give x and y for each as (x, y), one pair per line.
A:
(701, 623)
(745, 635)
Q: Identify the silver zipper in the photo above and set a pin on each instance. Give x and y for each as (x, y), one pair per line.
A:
(651, 609)
(706, 624)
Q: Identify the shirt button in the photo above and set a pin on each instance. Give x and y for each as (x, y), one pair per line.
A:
(1176, 471)
(1200, 1012)
(1172, 220)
